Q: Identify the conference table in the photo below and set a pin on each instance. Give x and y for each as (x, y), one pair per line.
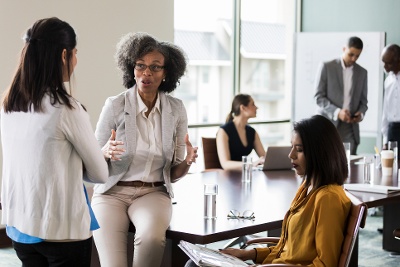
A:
(269, 196)
(390, 202)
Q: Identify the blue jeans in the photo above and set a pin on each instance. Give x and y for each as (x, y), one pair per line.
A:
(55, 254)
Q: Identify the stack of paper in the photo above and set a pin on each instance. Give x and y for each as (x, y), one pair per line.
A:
(206, 257)
(380, 189)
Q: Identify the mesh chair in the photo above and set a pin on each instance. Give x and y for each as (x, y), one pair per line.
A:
(355, 220)
(211, 160)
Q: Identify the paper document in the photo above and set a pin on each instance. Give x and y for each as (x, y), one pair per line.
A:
(206, 257)
(381, 189)
(355, 157)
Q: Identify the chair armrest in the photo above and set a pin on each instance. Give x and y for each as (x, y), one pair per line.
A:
(269, 240)
(279, 265)
(263, 240)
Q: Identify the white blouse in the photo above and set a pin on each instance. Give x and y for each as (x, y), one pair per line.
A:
(44, 158)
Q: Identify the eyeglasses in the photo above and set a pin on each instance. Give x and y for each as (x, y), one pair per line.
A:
(247, 214)
(143, 67)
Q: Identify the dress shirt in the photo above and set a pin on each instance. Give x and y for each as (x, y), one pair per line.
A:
(149, 145)
(391, 103)
(347, 83)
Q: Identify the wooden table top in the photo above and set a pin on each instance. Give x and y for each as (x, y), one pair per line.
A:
(375, 199)
(269, 195)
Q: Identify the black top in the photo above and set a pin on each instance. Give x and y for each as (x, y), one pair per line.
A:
(236, 147)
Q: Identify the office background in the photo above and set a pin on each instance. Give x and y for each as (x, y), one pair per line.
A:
(99, 26)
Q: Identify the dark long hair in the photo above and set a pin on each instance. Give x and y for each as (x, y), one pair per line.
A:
(40, 68)
(326, 161)
(240, 99)
(133, 46)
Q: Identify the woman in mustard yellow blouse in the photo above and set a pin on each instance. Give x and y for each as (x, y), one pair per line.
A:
(312, 230)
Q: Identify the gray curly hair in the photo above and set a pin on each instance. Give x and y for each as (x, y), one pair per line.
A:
(133, 46)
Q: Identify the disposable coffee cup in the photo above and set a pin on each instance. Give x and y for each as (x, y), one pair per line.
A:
(387, 158)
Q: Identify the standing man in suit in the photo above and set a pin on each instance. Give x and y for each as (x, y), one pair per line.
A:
(391, 102)
(341, 92)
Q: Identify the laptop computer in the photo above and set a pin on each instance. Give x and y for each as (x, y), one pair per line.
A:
(277, 158)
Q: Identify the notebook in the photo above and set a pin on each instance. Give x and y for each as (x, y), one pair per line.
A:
(205, 257)
(380, 189)
(277, 158)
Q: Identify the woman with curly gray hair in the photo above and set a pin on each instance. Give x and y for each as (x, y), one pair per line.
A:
(145, 153)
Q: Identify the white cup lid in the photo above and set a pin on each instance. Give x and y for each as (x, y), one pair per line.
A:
(387, 154)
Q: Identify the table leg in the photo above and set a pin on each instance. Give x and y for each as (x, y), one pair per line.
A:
(173, 255)
(391, 221)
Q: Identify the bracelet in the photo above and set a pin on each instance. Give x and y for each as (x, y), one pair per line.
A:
(255, 259)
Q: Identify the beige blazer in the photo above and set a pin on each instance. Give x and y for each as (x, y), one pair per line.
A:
(119, 113)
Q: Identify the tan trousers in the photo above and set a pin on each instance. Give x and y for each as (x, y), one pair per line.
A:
(149, 209)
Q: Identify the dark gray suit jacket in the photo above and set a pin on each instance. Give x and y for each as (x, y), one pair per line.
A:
(119, 113)
(329, 91)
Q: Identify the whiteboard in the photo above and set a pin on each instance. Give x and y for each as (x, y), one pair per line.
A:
(312, 48)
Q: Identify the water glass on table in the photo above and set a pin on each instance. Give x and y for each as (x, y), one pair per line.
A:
(367, 173)
(210, 201)
(347, 147)
(247, 169)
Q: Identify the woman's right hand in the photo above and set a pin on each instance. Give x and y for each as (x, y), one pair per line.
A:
(243, 254)
(259, 162)
(111, 149)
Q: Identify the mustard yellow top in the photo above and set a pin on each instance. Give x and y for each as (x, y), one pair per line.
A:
(312, 230)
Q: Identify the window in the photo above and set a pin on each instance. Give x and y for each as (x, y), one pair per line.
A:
(205, 30)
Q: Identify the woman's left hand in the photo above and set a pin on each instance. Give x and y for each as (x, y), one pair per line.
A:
(191, 152)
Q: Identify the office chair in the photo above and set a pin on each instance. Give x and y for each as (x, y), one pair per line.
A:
(211, 160)
(355, 220)
(396, 233)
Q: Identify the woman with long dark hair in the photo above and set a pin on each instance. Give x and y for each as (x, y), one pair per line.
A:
(313, 228)
(48, 149)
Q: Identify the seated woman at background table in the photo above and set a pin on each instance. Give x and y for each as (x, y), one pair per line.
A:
(312, 229)
(236, 138)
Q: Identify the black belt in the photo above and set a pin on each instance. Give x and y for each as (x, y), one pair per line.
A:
(139, 184)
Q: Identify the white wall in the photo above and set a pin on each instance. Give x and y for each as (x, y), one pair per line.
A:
(99, 26)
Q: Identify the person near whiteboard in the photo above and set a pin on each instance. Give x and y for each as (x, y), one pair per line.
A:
(391, 107)
(341, 92)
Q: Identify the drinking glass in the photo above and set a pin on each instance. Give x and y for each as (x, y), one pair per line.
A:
(247, 169)
(210, 201)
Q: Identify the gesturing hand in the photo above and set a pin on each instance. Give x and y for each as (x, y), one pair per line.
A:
(111, 149)
(191, 152)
